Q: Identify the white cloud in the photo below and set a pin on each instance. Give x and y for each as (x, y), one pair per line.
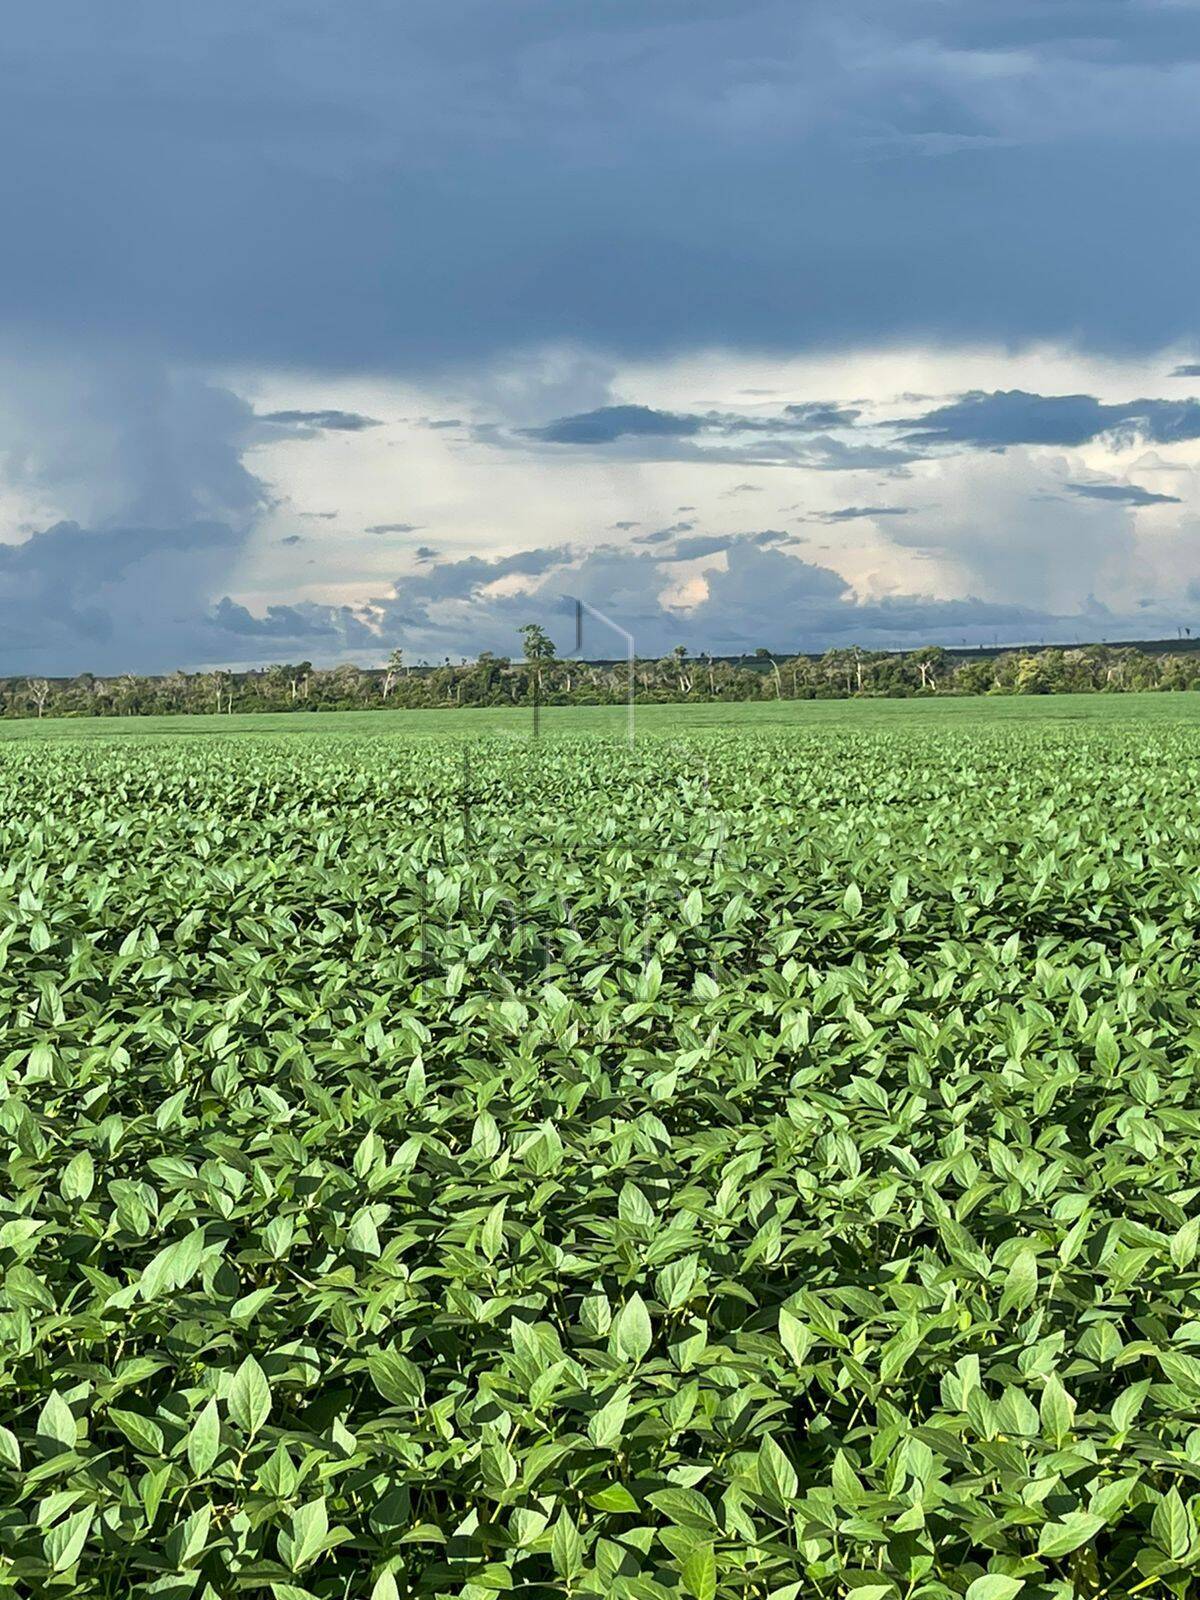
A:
(299, 509)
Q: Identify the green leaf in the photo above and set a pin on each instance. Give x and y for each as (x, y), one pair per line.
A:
(1129, 1402)
(170, 1111)
(63, 1544)
(685, 1507)
(397, 1378)
(175, 1265)
(606, 1426)
(1110, 1499)
(142, 1432)
(1182, 1369)
(677, 1281)
(57, 1421)
(776, 1475)
(204, 1440)
(994, 1586)
(193, 1537)
(79, 1177)
(1021, 1284)
(1057, 1410)
(248, 1400)
(1171, 1526)
(1184, 1243)
(485, 1137)
(306, 1535)
(362, 1234)
(631, 1334)
(566, 1546)
(614, 1497)
(1062, 1537)
(491, 1238)
(1108, 1053)
(794, 1336)
(277, 1475)
(699, 1573)
(634, 1208)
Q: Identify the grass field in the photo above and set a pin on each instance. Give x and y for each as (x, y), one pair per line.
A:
(763, 1163)
(982, 711)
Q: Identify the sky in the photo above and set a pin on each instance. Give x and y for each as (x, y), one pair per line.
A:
(327, 330)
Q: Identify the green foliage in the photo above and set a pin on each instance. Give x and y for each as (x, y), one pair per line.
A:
(751, 1166)
(497, 681)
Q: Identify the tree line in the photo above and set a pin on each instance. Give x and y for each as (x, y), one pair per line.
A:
(540, 675)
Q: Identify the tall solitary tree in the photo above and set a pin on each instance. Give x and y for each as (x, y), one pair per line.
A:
(539, 650)
(395, 665)
(39, 692)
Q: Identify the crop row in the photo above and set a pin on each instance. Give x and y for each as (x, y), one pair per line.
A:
(751, 1167)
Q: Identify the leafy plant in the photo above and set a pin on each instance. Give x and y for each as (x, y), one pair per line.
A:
(747, 1167)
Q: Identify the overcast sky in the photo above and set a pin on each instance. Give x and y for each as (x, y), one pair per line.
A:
(326, 329)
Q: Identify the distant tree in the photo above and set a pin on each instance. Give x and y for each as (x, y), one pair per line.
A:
(539, 649)
(679, 655)
(858, 670)
(974, 677)
(300, 675)
(537, 642)
(929, 663)
(129, 693)
(219, 684)
(395, 665)
(347, 682)
(175, 687)
(273, 682)
(1032, 677)
(39, 692)
(838, 667)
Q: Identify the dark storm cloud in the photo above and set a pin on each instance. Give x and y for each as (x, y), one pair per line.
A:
(609, 423)
(1013, 416)
(840, 172)
(321, 421)
(664, 535)
(820, 416)
(760, 595)
(456, 580)
(790, 437)
(827, 454)
(383, 191)
(281, 622)
(1190, 369)
(854, 513)
(1128, 494)
(700, 544)
(138, 599)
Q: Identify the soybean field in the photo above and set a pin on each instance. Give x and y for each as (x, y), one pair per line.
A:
(761, 1163)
